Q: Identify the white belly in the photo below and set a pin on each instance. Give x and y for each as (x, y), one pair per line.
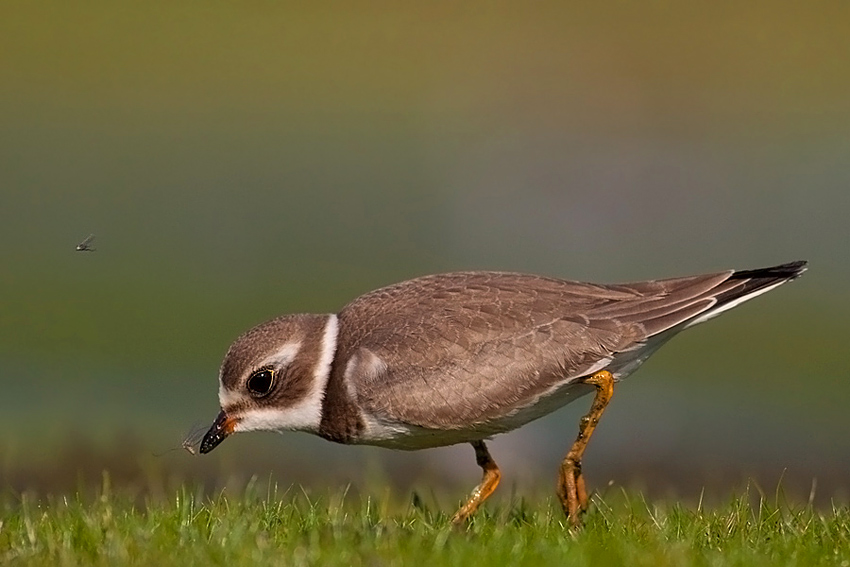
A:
(394, 435)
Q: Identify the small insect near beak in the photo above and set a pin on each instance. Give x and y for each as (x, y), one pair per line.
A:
(221, 428)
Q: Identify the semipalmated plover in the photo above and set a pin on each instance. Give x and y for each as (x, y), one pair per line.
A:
(460, 357)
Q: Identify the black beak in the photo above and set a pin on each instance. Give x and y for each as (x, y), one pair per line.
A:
(221, 428)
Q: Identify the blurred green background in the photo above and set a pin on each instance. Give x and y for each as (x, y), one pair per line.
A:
(242, 160)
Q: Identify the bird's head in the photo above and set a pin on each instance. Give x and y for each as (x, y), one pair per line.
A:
(274, 377)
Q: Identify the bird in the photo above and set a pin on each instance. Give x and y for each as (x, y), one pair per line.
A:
(460, 357)
(84, 245)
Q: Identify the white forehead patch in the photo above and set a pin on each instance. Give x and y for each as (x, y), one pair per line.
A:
(226, 397)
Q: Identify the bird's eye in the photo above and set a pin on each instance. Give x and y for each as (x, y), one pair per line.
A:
(260, 383)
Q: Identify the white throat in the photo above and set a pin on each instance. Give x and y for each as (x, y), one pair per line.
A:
(306, 414)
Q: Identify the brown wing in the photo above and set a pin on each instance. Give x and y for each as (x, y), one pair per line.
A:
(451, 350)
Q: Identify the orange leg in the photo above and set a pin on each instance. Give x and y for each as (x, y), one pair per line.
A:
(489, 482)
(571, 487)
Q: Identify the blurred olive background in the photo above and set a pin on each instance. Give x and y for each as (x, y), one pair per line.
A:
(242, 160)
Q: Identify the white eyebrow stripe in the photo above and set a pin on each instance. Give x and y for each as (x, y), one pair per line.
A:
(281, 357)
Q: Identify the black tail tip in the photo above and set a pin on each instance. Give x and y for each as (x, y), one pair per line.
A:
(787, 271)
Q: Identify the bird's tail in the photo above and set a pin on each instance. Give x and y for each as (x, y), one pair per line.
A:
(744, 285)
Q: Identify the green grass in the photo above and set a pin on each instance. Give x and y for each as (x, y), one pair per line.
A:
(295, 528)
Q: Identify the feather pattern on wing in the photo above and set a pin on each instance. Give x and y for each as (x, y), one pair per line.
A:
(450, 350)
